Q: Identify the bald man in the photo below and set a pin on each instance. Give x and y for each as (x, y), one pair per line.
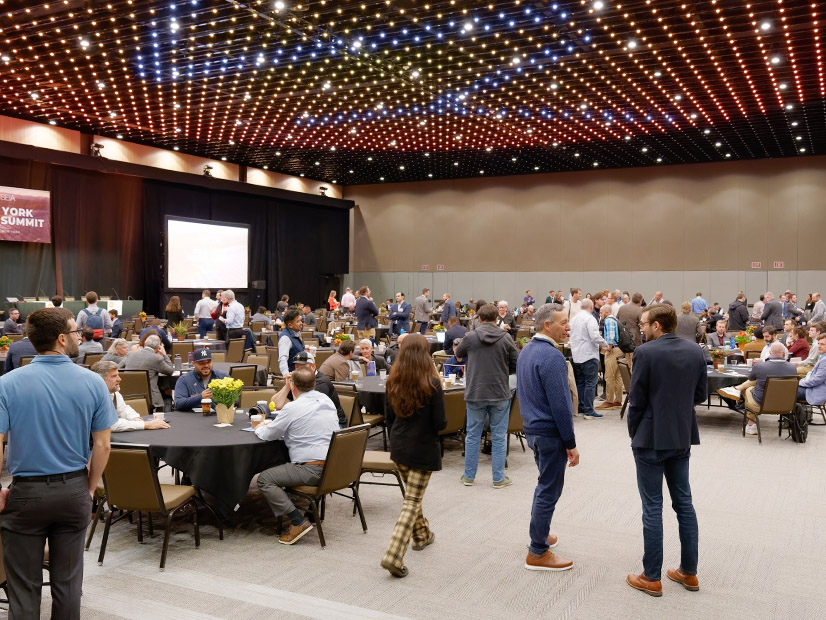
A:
(753, 389)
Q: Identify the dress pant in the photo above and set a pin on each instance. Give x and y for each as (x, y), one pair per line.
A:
(204, 326)
(423, 326)
(411, 522)
(613, 380)
(234, 332)
(551, 459)
(58, 511)
(586, 375)
(271, 482)
(220, 330)
(652, 465)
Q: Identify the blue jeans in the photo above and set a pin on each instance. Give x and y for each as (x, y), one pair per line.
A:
(586, 375)
(204, 326)
(651, 466)
(498, 411)
(551, 459)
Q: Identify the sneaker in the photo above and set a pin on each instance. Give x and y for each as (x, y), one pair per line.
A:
(547, 561)
(751, 429)
(505, 482)
(420, 546)
(644, 584)
(592, 416)
(292, 535)
(689, 582)
(466, 481)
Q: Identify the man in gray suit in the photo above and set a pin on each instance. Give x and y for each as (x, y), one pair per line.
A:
(153, 358)
(772, 311)
(422, 310)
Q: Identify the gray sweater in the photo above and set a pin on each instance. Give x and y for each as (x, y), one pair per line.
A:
(491, 356)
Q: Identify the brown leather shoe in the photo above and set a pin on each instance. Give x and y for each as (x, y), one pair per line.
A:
(690, 582)
(617, 404)
(547, 561)
(644, 584)
(553, 541)
(605, 405)
(419, 546)
(292, 535)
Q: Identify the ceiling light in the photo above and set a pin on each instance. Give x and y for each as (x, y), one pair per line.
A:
(279, 5)
(53, 122)
(644, 149)
(598, 5)
(631, 44)
(776, 60)
(782, 86)
(766, 25)
(84, 43)
(120, 137)
(5, 58)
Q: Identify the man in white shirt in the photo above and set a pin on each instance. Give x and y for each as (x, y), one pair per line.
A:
(348, 300)
(770, 336)
(585, 344)
(617, 303)
(203, 313)
(656, 299)
(306, 425)
(128, 418)
(234, 318)
(573, 305)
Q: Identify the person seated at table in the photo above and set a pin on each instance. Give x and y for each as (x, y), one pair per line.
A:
(718, 338)
(88, 345)
(193, 386)
(117, 325)
(392, 352)
(17, 350)
(815, 329)
(308, 317)
(337, 366)
(154, 329)
(753, 389)
(758, 344)
(306, 425)
(151, 357)
(812, 388)
(261, 317)
(714, 313)
(11, 326)
(454, 330)
(289, 341)
(797, 344)
(788, 328)
(117, 351)
(128, 418)
(770, 337)
(322, 384)
(366, 355)
(455, 365)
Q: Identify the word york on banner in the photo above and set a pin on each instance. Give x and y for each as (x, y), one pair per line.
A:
(25, 215)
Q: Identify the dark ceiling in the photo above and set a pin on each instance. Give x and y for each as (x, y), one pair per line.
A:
(386, 91)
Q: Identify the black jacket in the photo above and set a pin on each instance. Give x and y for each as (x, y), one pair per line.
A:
(491, 358)
(669, 379)
(366, 313)
(414, 441)
(738, 316)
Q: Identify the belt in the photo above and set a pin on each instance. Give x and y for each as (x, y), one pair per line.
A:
(320, 463)
(51, 477)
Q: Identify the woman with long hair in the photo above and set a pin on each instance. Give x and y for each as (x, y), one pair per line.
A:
(174, 312)
(331, 301)
(415, 406)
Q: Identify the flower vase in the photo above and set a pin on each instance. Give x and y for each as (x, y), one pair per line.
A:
(717, 363)
(226, 415)
(742, 347)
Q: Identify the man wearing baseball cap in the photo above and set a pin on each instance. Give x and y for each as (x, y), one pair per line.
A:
(323, 384)
(192, 387)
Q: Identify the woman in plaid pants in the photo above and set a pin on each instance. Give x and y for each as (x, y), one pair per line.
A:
(415, 406)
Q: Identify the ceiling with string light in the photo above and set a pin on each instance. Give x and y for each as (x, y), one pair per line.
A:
(374, 91)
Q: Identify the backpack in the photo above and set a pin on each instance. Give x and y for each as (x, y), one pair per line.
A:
(798, 424)
(95, 323)
(626, 340)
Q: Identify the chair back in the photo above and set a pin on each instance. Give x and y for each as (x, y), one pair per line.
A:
(135, 382)
(455, 412)
(138, 403)
(344, 458)
(25, 360)
(235, 350)
(245, 373)
(258, 360)
(625, 375)
(131, 480)
(780, 395)
(348, 405)
(753, 355)
(321, 356)
(523, 333)
(15, 337)
(515, 424)
(183, 349)
(257, 326)
(219, 356)
(90, 359)
(250, 397)
(439, 359)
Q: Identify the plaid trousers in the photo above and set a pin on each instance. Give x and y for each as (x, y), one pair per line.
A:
(411, 522)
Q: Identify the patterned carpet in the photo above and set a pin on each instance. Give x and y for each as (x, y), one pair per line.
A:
(761, 510)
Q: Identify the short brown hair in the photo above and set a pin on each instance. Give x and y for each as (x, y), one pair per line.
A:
(363, 290)
(769, 329)
(488, 312)
(799, 332)
(57, 301)
(303, 378)
(453, 320)
(91, 297)
(665, 315)
(45, 325)
(347, 347)
(636, 298)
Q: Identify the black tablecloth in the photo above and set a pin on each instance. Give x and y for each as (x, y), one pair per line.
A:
(729, 376)
(371, 394)
(220, 461)
(168, 381)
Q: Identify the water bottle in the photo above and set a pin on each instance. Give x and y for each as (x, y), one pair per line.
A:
(733, 343)
(177, 362)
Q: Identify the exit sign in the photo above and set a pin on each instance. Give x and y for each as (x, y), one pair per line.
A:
(440, 267)
(756, 264)
(778, 264)
(425, 267)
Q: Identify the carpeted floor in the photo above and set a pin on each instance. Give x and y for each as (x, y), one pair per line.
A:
(761, 509)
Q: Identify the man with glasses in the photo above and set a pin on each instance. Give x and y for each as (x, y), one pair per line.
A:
(51, 495)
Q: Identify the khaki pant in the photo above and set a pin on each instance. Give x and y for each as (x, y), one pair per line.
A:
(752, 406)
(613, 380)
(367, 333)
(572, 388)
(629, 358)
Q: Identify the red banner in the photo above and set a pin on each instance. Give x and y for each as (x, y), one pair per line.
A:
(25, 215)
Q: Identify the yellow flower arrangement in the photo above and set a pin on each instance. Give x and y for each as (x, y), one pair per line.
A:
(226, 391)
(142, 315)
(272, 406)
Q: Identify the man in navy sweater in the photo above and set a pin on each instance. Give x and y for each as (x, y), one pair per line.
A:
(548, 416)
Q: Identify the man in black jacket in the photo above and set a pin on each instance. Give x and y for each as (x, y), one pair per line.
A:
(669, 379)
(366, 313)
(738, 314)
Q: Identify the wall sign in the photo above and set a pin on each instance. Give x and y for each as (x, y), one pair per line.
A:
(756, 264)
(440, 267)
(425, 267)
(778, 264)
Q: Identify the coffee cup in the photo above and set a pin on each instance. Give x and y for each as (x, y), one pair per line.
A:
(255, 420)
(263, 405)
(159, 416)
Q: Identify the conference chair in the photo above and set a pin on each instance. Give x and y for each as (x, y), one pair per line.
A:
(183, 349)
(258, 326)
(138, 403)
(456, 414)
(15, 337)
(352, 413)
(250, 396)
(779, 398)
(92, 358)
(235, 350)
(136, 382)
(379, 464)
(342, 470)
(625, 375)
(131, 483)
(244, 373)
(515, 424)
(439, 359)
(523, 333)
(258, 360)
(25, 360)
(753, 355)
(321, 356)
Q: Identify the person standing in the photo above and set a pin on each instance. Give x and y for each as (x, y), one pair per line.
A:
(50, 498)
(366, 313)
(233, 319)
(548, 418)
(174, 312)
(422, 310)
(289, 341)
(698, 304)
(585, 344)
(491, 358)
(399, 315)
(613, 354)
(348, 300)
(448, 309)
(669, 379)
(203, 313)
(219, 314)
(332, 304)
(415, 409)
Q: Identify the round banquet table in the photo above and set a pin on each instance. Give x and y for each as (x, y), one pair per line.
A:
(726, 376)
(212, 345)
(371, 393)
(220, 461)
(168, 381)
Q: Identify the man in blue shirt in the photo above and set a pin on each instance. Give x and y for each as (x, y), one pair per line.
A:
(48, 409)
(548, 415)
(193, 387)
(698, 304)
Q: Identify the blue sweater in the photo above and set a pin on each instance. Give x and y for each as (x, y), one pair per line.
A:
(544, 396)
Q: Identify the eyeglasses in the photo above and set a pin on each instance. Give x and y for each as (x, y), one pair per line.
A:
(76, 332)
(644, 323)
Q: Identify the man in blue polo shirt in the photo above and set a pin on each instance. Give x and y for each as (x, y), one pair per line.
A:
(193, 387)
(49, 408)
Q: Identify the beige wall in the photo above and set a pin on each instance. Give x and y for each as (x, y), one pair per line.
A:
(705, 218)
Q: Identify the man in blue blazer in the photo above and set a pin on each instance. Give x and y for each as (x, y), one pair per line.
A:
(668, 380)
(812, 387)
(399, 315)
(366, 313)
(448, 308)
